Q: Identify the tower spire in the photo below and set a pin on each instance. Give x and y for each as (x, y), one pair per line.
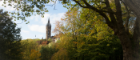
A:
(48, 20)
(48, 24)
(48, 29)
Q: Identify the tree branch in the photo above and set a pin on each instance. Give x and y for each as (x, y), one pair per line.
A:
(119, 16)
(119, 11)
(112, 17)
(80, 4)
(100, 12)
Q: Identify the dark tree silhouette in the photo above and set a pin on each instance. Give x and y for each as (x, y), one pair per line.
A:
(10, 47)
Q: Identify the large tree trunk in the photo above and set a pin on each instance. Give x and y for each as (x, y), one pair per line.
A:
(131, 45)
(126, 43)
(126, 46)
(136, 39)
(132, 53)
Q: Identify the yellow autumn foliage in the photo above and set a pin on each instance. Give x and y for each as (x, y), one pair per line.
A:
(35, 55)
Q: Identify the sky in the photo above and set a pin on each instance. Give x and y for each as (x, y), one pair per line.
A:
(37, 25)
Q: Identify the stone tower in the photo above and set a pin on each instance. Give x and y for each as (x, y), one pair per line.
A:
(48, 29)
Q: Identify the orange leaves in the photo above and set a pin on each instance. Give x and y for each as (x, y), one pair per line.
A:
(57, 27)
(75, 42)
(44, 42)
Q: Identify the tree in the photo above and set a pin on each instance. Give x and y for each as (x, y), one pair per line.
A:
(47, 52)
(10, 47)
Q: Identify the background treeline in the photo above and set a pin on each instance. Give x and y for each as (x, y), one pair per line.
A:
(83, 36)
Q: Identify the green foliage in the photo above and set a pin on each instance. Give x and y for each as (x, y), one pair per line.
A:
(49, 40)
(60, 55)
(47, 52)
(10, 46)
(29, 45)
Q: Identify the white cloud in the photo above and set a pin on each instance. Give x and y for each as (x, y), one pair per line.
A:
(37, 28)
(57, 17)
(24, 31)
(40, 35)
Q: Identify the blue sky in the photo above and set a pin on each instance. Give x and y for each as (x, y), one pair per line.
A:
(37, 25)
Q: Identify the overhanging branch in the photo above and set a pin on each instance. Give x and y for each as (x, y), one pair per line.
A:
(101, 12)
(80, 4)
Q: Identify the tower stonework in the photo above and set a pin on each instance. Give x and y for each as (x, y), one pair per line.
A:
(48, 30)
